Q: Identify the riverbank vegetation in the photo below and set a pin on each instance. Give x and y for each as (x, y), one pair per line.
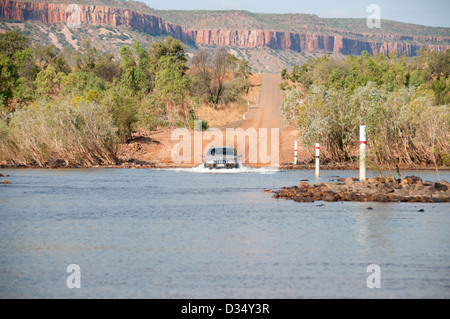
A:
(77, 106)
(403, 102)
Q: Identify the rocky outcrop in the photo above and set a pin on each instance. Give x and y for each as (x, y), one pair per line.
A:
(305, 42)
(90, 14)
(374, 189)
(345, 43)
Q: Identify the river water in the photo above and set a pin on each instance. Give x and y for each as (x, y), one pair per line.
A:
(193, 233)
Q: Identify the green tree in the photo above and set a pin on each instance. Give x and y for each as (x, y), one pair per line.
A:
(129, 78)
(171, 48)
(16, 67)
(169, 63)
(209, 73)
(48, 81)
(416, 78)
(123, 106)
(8, 77)
(144, 73)
(12, 42)
(172, 85)
(290, 108)
(108, 68)
(86, 57)
(50, 55)
(81, 83)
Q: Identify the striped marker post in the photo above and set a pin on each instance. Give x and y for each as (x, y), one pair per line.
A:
(295, 153)
(317, 160)
(362, 153)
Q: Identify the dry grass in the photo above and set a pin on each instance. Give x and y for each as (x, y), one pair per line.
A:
(40, 133)
(232, 112)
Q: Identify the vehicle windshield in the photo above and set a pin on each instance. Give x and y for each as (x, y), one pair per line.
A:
(223, 151)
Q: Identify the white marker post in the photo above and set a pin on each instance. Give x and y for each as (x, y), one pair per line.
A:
(295, 153)
(362, 153)
(317, 160)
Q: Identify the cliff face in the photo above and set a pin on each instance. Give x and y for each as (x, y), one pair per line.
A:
(154, 25)
(94, 15)
(304, 42)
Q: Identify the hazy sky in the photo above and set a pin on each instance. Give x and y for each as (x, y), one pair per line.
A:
(425, 12)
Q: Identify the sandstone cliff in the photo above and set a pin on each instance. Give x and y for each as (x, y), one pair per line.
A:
(336, 42)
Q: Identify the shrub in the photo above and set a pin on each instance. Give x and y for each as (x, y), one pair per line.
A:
(403, 127)
(124, 109)
(40, 133)
(234, 89)
(148, 114)
(204, 124)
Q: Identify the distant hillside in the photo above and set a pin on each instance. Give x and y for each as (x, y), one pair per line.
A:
(280, 38)
(295, 22)
(132, 5)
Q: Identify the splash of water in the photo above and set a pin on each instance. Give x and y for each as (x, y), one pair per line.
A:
(241, 170)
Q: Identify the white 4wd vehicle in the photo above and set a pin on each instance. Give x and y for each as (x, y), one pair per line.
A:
(221, 157)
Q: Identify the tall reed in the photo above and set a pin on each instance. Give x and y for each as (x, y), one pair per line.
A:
(41, 133)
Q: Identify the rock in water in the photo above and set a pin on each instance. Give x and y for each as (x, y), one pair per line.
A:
(349, 181)
(376, 189)
(330, 198)
(441, 187)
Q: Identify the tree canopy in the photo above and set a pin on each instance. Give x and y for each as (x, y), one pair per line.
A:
(141, 88)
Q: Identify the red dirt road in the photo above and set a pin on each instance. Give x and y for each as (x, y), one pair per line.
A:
(267, 143)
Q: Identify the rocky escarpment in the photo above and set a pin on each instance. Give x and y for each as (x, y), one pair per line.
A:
(308, 42)
(90, 14)
(345, 43)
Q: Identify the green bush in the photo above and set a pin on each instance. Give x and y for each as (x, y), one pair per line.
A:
(204, 124)
(147, 116)
(123, 107)
(445, 159)
(234, 89)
